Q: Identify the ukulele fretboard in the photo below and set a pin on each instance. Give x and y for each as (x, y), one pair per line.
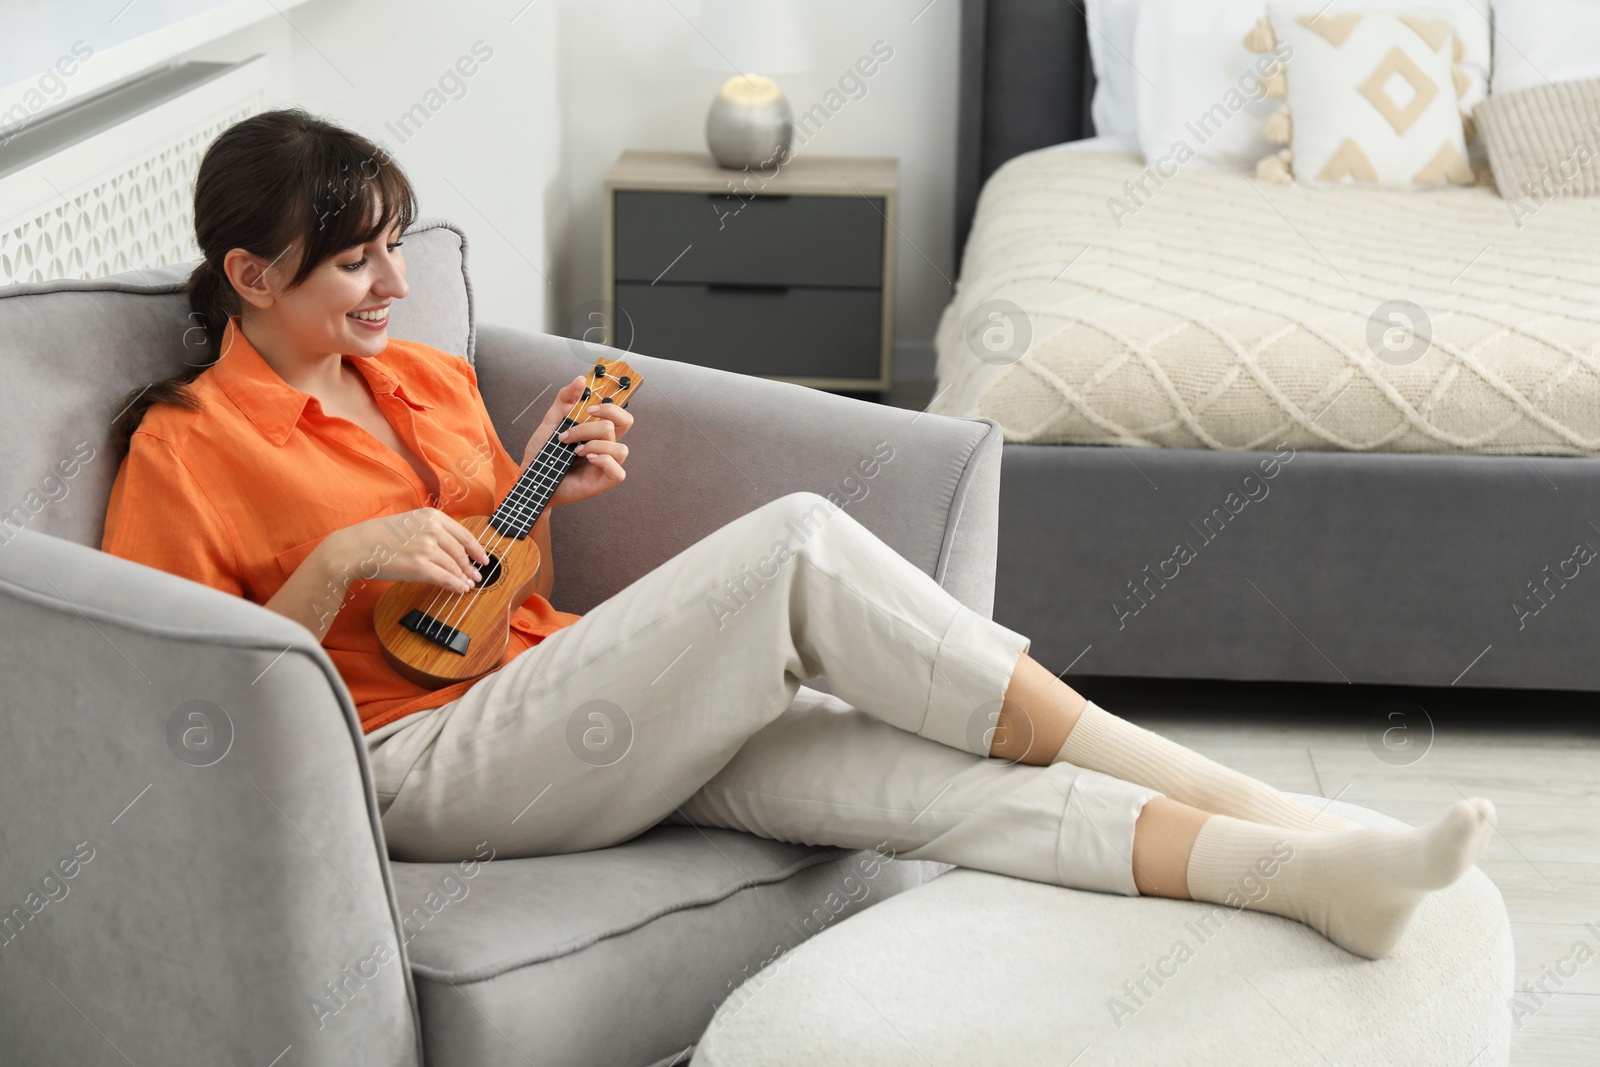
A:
(528, 498)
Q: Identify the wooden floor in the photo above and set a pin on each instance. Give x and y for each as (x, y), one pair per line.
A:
(1535, 754)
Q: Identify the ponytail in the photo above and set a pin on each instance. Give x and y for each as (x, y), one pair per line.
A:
(211, 302)
(202, 342)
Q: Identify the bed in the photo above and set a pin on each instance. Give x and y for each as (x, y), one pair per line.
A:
(1268, 432)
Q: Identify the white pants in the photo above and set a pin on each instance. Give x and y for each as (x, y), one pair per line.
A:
(679, 699)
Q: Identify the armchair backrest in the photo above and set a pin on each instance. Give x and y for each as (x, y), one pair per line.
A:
(71, 350)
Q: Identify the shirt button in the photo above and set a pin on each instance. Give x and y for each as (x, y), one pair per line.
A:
(519, 624)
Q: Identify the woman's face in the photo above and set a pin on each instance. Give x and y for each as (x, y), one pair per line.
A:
(343, 305)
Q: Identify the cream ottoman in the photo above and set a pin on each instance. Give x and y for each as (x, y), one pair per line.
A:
(979, 968)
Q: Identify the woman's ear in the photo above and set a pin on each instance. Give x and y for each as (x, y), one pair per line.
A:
(254, 278)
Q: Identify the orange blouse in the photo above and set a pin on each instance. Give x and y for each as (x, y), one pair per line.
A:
(237, 494)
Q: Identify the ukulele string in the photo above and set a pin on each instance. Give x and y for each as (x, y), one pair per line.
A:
(502, 539)
(443, 617)
(452, 600)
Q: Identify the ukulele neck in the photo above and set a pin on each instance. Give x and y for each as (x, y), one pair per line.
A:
(531, 495)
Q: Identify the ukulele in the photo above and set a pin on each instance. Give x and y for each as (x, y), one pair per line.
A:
(435, 637)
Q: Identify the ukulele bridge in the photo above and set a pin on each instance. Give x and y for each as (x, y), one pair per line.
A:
(442, 634)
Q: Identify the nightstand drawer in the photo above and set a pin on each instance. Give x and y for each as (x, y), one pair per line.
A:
(783, 333)
(764, 240)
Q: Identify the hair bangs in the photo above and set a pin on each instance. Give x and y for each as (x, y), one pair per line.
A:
(355, 197)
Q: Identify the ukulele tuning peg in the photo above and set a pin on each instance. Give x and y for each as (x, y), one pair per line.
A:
(605, 400)
(623, 381)
(585, 393)
(599, 370)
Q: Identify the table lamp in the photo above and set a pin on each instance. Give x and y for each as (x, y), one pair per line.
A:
(750, 123)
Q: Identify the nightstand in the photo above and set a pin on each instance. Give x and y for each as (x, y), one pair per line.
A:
(785, 273)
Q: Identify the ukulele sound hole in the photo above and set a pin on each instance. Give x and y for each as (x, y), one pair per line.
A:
(490, 572)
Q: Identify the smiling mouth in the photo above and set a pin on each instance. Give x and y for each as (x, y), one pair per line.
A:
(374, 319)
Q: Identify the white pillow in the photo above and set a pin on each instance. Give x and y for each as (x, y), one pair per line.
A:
(1110, 29)
(1539, 41)
(1191, 53)
(1204, 88)
(1372, 96)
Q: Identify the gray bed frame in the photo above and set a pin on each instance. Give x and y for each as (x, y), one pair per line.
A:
(1430, 570)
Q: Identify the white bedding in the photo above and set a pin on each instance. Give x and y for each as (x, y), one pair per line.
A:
(1110, 142)
(1227, 314)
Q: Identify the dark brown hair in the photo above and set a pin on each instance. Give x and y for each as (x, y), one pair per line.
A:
(266, 184)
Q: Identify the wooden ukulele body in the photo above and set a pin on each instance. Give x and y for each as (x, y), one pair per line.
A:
(483, 617)
(435, 637)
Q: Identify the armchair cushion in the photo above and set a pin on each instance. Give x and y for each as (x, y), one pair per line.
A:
(617, 956)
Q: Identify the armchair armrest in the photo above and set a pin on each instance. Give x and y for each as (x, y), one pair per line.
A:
(193, 865)
(710, 446)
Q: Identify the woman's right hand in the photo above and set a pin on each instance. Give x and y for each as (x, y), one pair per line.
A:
(423, 545)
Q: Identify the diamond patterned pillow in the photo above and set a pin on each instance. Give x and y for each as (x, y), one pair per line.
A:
(1372, 97)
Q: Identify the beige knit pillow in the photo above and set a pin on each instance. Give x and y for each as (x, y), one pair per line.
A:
(1542, 142)
(1371, 97)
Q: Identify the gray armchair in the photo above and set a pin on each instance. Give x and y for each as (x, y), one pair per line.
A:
(225, 895)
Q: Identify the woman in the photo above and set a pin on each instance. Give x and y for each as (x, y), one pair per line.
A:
(311, 459)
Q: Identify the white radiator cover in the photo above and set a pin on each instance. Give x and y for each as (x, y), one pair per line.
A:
(122, 199)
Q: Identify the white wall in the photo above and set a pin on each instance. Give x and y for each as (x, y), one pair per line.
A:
(485, 158)
(627, 81)
(516, 156)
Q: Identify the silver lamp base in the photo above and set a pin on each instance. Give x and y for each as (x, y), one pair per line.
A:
(749, 124)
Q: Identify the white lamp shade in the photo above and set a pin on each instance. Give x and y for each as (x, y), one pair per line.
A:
(754, 36)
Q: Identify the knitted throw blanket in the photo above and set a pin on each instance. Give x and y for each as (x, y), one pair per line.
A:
(1103, 304)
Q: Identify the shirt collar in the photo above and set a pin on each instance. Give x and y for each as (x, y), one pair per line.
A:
(271, 403)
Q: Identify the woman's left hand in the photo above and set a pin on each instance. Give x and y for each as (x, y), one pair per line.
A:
(598, 466)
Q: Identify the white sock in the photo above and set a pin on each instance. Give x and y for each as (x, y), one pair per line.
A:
(1358, 888)
(1103, 742)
